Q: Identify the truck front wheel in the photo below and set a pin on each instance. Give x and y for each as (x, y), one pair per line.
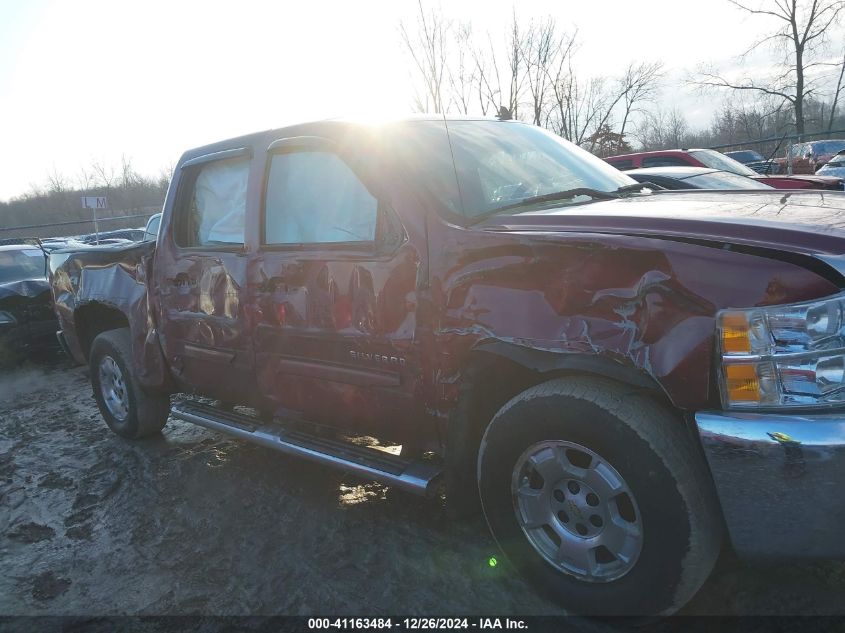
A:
(128, 410)
(597, 495)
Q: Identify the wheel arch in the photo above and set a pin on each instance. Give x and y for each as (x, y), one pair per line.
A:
(496, 371)
(92, 319)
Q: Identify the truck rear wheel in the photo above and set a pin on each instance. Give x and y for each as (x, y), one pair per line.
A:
(128, 410)
(599, 497)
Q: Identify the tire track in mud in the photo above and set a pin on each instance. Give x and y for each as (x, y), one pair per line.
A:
(195, 522)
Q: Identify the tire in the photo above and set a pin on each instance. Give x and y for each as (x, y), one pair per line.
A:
(662, 525)
(127, 409)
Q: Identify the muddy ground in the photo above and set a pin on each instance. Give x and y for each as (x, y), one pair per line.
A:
(194, 522)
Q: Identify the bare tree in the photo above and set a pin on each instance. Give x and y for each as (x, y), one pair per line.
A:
(85, 179)
(428, 50)
(800, 38)
(488, 90)
(836, 92)
(165, 175)
(662, 130)
(677, 128)
(129, 178)
(56, 182)
(500, 71)
(541, 48)
(463, 73)
(638, 85)
(105, 175)
(515, 67)
(579, 107)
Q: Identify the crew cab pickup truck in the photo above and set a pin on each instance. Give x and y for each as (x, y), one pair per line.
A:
(624, 379)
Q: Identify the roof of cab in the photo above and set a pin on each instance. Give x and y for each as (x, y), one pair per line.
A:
(262, 139)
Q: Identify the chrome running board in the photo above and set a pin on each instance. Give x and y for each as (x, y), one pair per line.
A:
(369, 463)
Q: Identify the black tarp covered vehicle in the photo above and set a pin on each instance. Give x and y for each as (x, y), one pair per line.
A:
(27, 321)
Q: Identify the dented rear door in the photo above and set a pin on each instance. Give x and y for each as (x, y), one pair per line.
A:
(200, 276)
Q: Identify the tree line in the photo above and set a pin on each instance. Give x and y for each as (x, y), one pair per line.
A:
(58, 199)
(534, 72)
(531, 72)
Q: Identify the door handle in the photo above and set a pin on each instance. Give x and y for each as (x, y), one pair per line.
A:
(269, 285)
(182, 282)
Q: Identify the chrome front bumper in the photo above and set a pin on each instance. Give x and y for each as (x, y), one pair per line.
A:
(780, 480)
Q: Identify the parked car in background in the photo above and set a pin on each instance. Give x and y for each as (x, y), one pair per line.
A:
(809, 157)
(27, 321)
(55, 243)
(754, 161)
(694, 178)
(717, 160)
(151, 230)
(834, 167)
(109, 237)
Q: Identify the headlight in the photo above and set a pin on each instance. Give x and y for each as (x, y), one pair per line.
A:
(783, 356)
(6, 318)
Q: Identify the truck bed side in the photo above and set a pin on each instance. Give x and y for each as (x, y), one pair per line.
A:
(97, 289)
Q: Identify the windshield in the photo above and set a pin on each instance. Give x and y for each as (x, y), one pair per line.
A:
(717, 160)
(828, 147)
(16, 265)
(483, 166)
(724, 180)
(744, 155)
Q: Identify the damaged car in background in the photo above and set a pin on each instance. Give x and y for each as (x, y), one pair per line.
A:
(622, 380)
(27, 321)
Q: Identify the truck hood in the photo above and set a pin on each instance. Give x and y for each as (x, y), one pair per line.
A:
(809, 223)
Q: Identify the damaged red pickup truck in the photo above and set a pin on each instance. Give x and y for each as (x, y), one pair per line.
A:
(620, 375)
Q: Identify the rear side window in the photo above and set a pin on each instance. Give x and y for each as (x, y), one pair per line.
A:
(212, 204)
(664, 161)
(622, 165)
(313, 197)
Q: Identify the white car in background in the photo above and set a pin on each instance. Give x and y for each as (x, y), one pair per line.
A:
(834, 167)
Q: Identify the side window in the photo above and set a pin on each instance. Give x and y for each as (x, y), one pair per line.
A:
(622, 165)
(212, 205)
(664, 161)
(313, 197)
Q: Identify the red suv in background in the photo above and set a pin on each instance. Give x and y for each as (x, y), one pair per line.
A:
(716, 160)
(808, 158)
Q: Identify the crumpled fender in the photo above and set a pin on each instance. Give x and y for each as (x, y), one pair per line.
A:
(617, 303)
(114, 278)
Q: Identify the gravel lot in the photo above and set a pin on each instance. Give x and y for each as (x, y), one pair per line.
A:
(194, 522)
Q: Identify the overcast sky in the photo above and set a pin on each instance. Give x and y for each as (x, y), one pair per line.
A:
(90, 80)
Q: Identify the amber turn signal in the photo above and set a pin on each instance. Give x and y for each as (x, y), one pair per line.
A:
(742, 383)
(735, 333)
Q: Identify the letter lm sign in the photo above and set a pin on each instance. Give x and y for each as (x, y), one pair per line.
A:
(89, 202)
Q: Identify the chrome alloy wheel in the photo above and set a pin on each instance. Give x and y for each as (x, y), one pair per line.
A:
(577, 511)
(113, 388)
